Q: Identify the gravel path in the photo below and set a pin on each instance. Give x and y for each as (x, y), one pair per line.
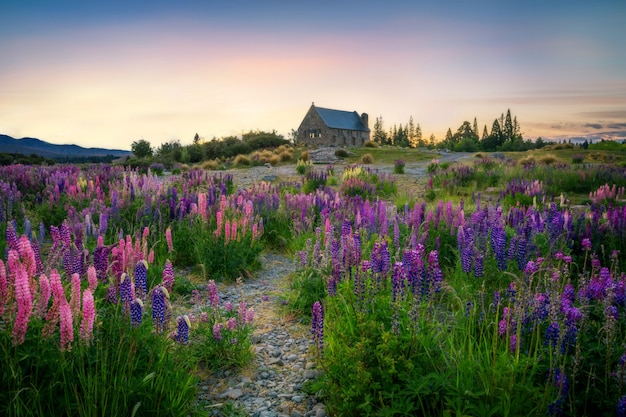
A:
(272, 385)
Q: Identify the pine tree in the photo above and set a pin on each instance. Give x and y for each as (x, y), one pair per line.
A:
(485, 133)
(379, 135)
(475, 127)
(411, 133)
(507, 129)
(418, 136)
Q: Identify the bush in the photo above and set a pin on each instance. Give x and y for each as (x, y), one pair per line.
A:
(341, 153)
(303, 166)
(370, 144)
(304, 156)
(210, 165)
(548, 160)
(578, 158)
(242, 160)
(367, 159)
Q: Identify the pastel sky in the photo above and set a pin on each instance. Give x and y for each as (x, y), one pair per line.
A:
(107, 73)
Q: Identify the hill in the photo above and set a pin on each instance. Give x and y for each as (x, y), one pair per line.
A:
(28, 146)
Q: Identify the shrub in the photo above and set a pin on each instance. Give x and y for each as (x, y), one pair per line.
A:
(304, 156)
(285, 155)
(341, 153)
(578, 158)
(242, 160)
(210, 165)
(275, 160)
(370, 144)
(548, 160)
(367, 159)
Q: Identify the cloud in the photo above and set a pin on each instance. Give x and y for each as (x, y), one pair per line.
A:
(594, 125)
(617, 126)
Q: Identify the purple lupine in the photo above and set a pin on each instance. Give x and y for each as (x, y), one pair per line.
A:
(398, 280)
(317, 327)
(498, 245)
(101, 260)
(478, 265)
(126, 294)
(520, 255)
(182, 330)
(141, 283)
(214, 297)
(136, 312)
(217, 331)
(231, 324)
(552, 335)
(11, 237)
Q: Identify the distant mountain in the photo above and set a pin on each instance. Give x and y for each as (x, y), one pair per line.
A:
(28, 146)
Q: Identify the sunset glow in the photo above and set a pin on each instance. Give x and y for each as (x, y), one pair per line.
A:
(108, 74)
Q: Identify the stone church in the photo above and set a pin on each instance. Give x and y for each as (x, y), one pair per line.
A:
(328, 127)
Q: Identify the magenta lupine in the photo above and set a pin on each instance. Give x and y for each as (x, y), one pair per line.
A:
(217, 331)
(24, 299)
(168, 275)
(241, 312)
(66, 326)
(232, 324)
(92, 278)
(4, 288)
(88, 316)
(44, 296)
(214, 297)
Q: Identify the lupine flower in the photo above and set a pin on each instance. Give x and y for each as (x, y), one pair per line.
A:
(168, 275)
(4, 290)
(24, 299)
(553, 332)
(67, 328)
(141, 284)
(168, 239)
(217, 331)
(75, 295)
(621, 407)
(92, 278)
(214, 297)
(136, 312)
(232, 324)
(317, 326)
(89, 315)
(478, 265)
(158, 308)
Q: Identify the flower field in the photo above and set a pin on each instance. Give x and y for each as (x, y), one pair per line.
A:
(496, 288)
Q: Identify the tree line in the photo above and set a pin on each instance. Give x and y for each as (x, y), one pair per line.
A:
(199, 150)
(505, 135)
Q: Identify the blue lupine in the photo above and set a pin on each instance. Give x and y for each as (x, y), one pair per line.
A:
(136, 312)
(182, 330)
(141, 284)
(158, 308)
(621, 407)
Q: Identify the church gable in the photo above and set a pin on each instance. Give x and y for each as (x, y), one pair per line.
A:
(328, 127)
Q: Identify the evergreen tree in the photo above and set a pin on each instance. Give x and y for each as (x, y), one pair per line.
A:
(475, 127)
(507, 129)
(418, 136)
(485, 133)
(379, 135)
(411, 134)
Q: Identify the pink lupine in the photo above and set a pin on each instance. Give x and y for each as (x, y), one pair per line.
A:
(151, 256)
(67, 327)
(89, 315)
(24, 299)
(4, 289)
(75, 295)
(202, 206)
(219, 218)
(168, 239)
(227, 231)
(44, 295)
(233, 233)
(92, 278)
